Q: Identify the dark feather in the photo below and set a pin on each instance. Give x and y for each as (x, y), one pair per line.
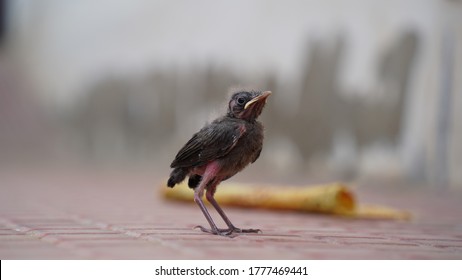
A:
(213, 141)
(194, 181)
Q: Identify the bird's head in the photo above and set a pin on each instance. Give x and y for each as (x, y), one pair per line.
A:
(247, 105)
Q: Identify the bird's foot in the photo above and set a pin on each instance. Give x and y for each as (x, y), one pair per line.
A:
(245, 230)
(227, 232)
(218, 231)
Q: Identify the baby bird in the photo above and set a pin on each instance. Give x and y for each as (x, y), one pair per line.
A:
(218, 151)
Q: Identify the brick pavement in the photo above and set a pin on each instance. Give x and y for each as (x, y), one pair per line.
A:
(65, 214)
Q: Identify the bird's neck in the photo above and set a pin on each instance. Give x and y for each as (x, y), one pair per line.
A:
(244, 117)
(247, 120)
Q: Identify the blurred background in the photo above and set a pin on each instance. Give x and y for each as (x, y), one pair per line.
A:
(361, 89)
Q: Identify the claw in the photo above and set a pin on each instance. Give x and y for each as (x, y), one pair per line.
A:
(227, 232)
(248, 230)
(222, 232)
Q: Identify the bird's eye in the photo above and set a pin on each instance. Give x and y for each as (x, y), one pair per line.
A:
(241, 100)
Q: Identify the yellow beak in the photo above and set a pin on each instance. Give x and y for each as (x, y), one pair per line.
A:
(262, 96)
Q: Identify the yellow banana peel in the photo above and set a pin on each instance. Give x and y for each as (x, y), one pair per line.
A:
(334, 198)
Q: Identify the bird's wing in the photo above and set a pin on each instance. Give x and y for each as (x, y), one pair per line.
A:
(211, 142)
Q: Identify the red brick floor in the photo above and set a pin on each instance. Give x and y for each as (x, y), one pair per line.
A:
(56, 214)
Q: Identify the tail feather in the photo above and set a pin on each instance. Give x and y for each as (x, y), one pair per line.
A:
(176, 177)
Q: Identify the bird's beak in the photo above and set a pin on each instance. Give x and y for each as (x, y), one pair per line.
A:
(261, 98)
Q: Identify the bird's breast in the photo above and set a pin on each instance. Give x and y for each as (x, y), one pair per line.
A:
(245, 150)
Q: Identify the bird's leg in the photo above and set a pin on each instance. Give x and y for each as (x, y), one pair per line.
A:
(209, 182)
(231, 228)
(198, 199)
(208, 179)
